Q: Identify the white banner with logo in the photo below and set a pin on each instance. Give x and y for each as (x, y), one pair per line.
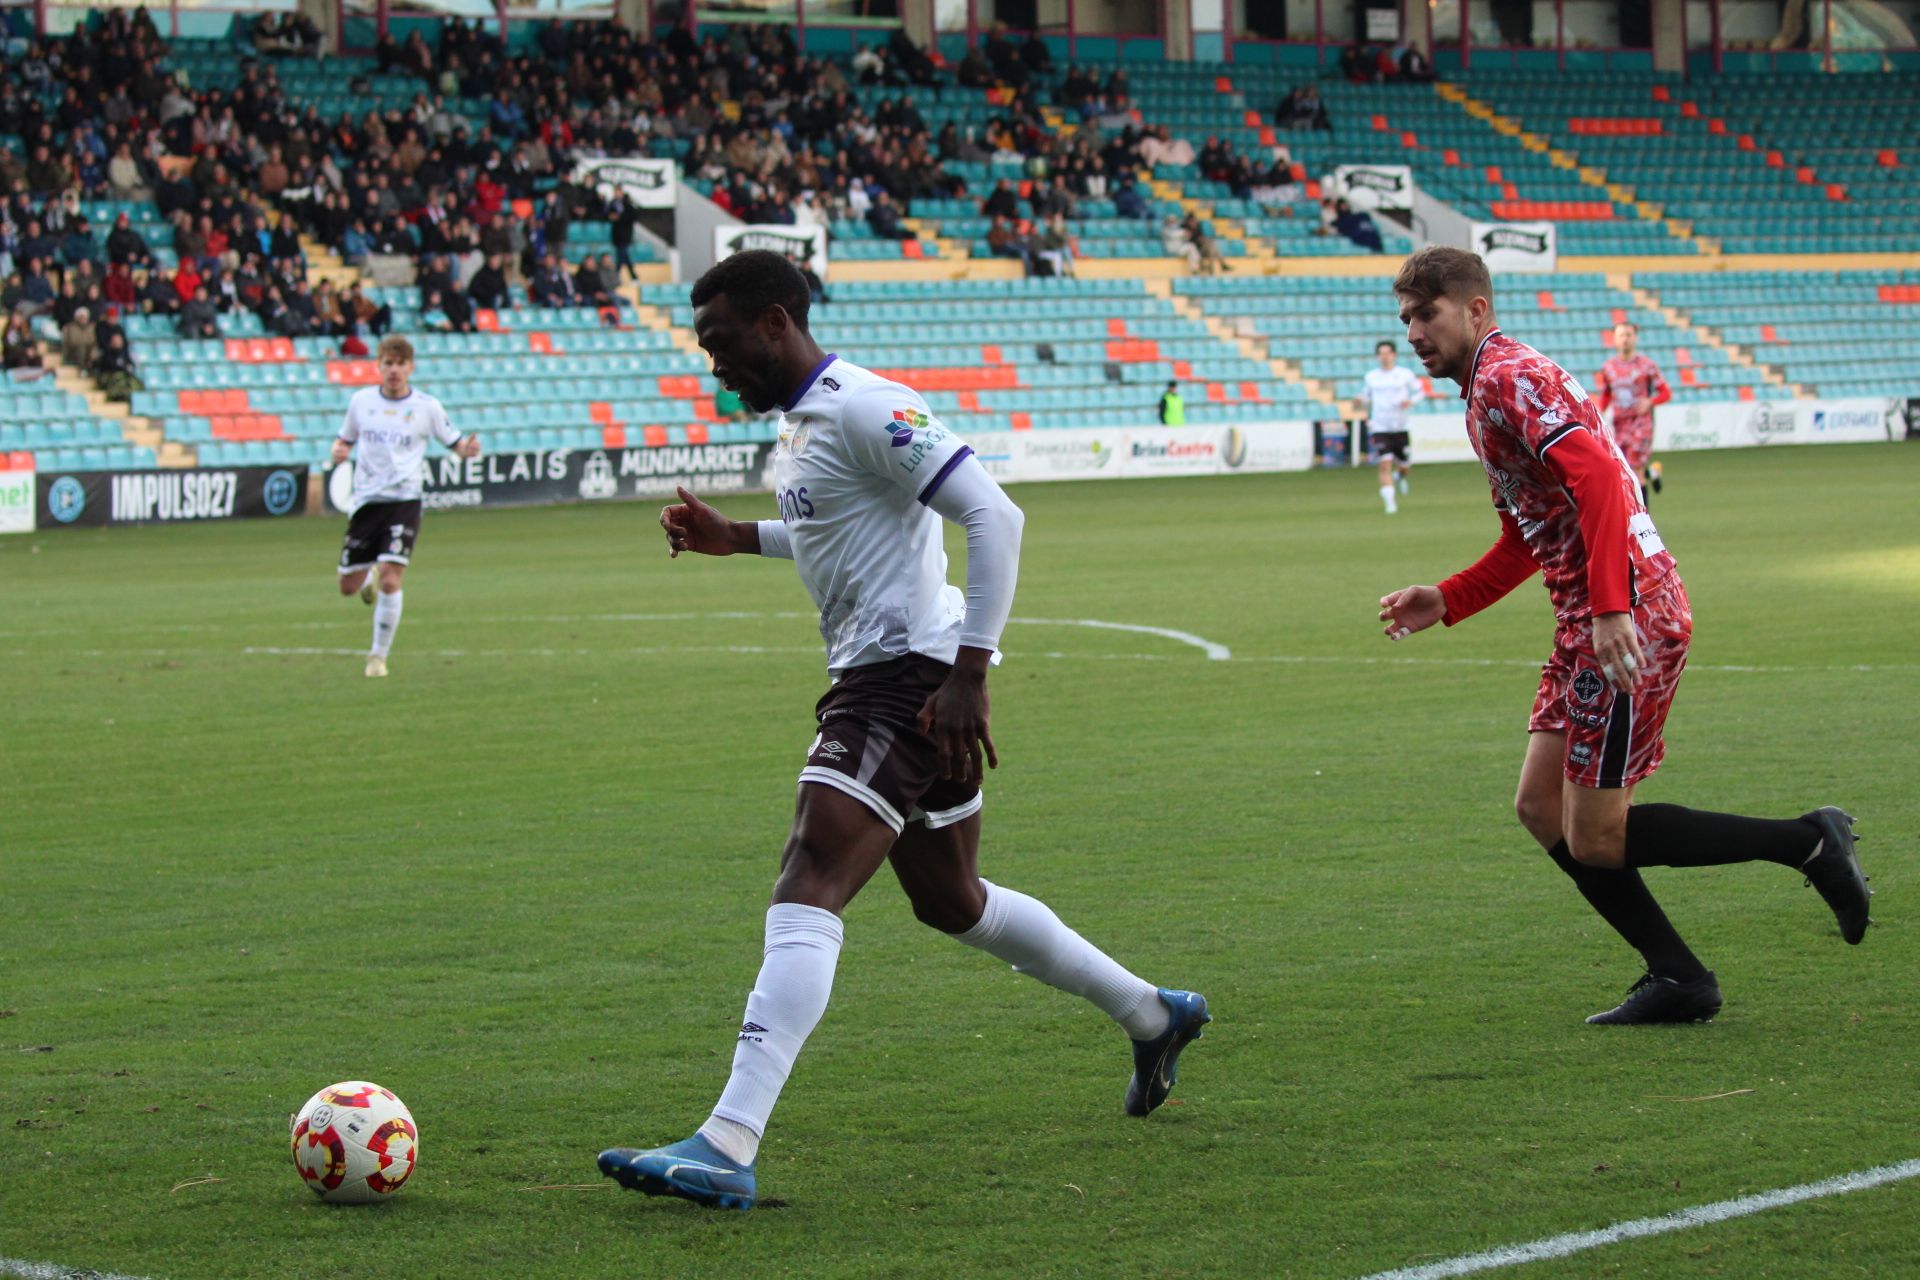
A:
(647, 182)
(1374, 186)
(1439, 437)
(1516, 246)
(1748, 424)
(807, 245)
(1136, 453)
(16, 501)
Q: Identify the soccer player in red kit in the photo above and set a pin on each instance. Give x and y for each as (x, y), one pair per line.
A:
(1570, 510)
(1631, 385)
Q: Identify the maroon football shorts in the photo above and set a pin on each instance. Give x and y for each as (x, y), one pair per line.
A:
(1614, 738)
(871, 747)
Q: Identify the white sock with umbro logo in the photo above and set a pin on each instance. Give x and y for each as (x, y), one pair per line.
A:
(386, 620)
(1026, 934)
(789, 998)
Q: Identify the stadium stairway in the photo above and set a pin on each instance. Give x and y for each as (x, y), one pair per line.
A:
(1253, 346)
(1735, 353)
(140, 432)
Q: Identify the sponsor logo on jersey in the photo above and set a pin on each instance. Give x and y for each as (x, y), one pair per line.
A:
(1588, 686)
(905, 423)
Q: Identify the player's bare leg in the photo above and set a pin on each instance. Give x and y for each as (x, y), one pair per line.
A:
(1402, 470)
(834, 847)
(386, 613)
(938, 869)
(1386, 484)
(1550, 808)
(360, 580)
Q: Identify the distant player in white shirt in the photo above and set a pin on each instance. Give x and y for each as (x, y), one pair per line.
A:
(865, 474)
(1388, 393)
(391, 424)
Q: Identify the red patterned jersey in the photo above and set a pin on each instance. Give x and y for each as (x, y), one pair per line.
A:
(1625, 382)
(1570, 505)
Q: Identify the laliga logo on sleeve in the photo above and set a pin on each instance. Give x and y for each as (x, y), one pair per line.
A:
(904, 423)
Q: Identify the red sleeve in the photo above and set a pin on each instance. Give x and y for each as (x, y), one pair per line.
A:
(1592, 475)
(1507, 564)
(1661, 391)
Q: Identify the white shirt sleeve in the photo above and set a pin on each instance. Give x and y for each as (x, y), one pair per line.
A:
(971, 498)
(889, 431)
(350, 429)
(1415, 392)
(775, 541)
(444, 430)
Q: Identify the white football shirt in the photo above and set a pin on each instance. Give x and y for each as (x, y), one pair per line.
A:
(390, 439)
(858, 460)
(1388, 392)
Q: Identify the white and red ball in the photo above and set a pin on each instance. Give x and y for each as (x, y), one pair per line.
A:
(355, 1142)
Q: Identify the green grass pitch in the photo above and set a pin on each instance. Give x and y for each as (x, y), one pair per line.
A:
(521, 883)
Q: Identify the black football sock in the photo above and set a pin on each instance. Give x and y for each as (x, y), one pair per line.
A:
(1671, 835)
(1623, 901)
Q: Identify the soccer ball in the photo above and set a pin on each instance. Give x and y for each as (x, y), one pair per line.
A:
(355, 1142)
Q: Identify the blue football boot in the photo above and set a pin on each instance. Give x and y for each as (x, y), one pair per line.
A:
(1156, 1061)
(690, 1169)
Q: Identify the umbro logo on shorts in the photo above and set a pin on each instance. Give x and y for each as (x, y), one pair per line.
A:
(833, 749)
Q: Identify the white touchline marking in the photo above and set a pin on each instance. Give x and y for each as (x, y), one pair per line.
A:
(55, 1271)
(1216, 652)
(1512, 1255)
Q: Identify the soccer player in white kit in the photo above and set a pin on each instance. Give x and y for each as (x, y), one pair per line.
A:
(391, 424)
(1389, 392)
(865, 473)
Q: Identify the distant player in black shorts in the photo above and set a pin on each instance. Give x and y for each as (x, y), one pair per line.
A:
(1386, 394)
(865, 473)
(391, 424)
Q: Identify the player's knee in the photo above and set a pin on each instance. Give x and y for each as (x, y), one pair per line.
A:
(348, 586)
(1540, 815)
(390, 576)
(949, 909)
(1604, 849)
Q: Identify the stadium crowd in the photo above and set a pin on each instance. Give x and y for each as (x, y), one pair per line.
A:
(480, 200)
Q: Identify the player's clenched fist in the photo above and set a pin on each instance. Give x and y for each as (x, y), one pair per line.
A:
(692, 525)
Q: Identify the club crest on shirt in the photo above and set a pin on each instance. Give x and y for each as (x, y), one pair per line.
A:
(794, 435)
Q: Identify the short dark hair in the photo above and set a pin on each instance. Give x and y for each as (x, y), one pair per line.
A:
(1440, 272)
(1174, 385)
(1385, 344)
(753, 280)
(1630, 324)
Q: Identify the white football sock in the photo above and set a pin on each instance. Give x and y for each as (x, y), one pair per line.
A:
(386, 621)
(1386, 496)
(789, 997)
(1026, 934)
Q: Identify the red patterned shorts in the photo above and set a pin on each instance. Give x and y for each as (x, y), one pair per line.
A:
(1635, 438)
(1613, 738)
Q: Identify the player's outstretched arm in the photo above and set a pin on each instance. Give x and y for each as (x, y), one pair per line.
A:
(692, 525)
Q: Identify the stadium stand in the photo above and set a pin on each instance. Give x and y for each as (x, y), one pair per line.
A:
(248, 220)
(1757, 163)
(1831, 332)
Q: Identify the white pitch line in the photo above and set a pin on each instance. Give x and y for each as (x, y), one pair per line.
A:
(25, 1270)
(1216, 652)
(1513, 1255)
